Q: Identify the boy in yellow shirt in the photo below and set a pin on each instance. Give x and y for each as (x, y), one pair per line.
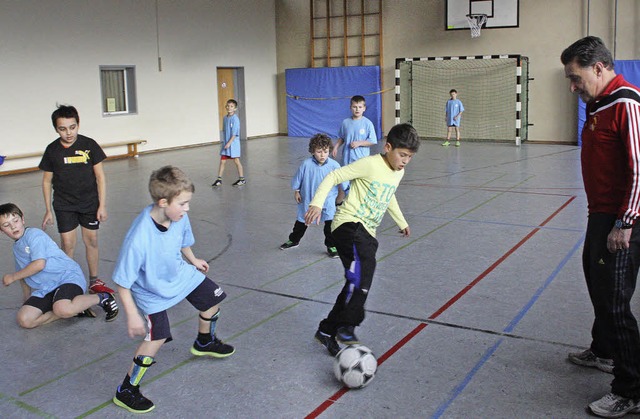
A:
(374, 180)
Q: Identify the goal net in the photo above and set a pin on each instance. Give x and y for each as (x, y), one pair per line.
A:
(493, 90)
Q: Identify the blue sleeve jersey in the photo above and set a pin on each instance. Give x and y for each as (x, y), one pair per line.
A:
(356, 130)
(151, 265)
(452, 109)
(306, 180)
(231, 127)
(59, 268)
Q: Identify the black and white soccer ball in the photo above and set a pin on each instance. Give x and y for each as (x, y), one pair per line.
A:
(355, 366)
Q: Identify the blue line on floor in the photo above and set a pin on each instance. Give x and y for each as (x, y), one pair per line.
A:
(460, 387)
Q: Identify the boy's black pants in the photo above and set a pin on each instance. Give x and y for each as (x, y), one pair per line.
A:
(300, 228)
(357, 250)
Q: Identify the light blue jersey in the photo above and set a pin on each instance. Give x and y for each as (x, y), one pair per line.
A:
(151, 265)
(356, 130)
(306, 180)
(231, 127)
(59, 268)
(452, 109)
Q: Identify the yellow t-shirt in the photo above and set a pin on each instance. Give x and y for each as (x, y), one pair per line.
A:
(371, 194)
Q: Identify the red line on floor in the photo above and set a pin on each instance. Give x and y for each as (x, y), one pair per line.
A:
(337, 395)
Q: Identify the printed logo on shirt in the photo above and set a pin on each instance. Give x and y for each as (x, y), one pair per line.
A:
(81, 157)
(362, 131)
(375, 203)
(27, 250)
(593, 122)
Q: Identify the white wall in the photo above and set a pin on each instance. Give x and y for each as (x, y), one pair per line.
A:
(415, 28)
(50, 52)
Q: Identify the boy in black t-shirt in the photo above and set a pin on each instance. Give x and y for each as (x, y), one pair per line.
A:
(72, 166)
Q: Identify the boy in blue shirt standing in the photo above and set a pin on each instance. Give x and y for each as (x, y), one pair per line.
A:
(153, 276)
(453, 111)
(356, 133)
(53, 284)
(230, 144)
(305, 182)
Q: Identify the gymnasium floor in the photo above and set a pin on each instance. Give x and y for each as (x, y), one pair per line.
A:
(471, 316)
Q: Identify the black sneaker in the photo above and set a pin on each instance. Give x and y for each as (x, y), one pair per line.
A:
(328, 342)
(217, 182)
(110, 306)
(288, 245)
(216, 348)
(239, 182)
(333, 252)
(347, 335)
(132, 400)
(87, 313)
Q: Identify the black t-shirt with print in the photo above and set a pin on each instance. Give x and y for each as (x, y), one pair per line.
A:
(74, 182)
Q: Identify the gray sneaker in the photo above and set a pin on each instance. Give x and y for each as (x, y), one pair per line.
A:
(614, 406)
(587, 358)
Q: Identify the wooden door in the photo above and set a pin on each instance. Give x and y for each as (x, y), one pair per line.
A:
(226, 90)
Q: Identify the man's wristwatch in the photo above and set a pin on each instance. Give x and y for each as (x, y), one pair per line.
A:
(622, 225)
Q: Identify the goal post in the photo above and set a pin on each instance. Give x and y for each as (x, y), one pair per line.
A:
(493, 89)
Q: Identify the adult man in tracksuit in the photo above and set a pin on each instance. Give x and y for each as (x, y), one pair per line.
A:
(611, 257)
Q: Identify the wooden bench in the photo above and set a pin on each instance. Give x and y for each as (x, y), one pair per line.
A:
(132, 151)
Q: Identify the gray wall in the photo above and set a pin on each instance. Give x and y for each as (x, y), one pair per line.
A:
(415, 28)
(50, 52)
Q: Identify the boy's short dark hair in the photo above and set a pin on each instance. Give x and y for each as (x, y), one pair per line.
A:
(358, 99)
(64, 111)
(404, 136)
(169, 182)
(235, 102)
(453, 91)
(10, 209)
(586, 52)
(319, 141)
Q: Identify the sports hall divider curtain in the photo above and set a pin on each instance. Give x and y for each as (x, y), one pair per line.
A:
(318, 99)
(630, 69)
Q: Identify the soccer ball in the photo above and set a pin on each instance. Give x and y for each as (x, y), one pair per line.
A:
(355, 366)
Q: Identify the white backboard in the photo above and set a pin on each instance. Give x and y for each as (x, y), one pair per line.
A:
(500, 13)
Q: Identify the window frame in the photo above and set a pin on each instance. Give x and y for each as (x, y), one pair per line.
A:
(129, 89)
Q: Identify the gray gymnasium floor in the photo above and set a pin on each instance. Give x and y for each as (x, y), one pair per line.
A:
(471, 316)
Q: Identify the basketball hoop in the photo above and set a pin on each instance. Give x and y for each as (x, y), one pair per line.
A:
(475, 23)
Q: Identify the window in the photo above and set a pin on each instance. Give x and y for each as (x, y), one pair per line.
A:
(118, 85)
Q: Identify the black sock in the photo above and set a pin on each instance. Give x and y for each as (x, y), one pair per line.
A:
(126, 384)
(204, 338)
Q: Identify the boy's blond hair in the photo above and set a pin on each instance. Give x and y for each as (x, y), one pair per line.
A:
(169, 182)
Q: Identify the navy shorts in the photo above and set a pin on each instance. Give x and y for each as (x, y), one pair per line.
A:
(205, 296)
(69, 220)
(63, 292)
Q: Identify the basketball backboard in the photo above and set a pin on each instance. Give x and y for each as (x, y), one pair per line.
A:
(500, 13)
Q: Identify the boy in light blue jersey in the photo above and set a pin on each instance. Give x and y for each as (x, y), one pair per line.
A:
(230, 148)
(53, 284)
(153, 276)
(453, 114)
(304, 184)
(357, 133)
